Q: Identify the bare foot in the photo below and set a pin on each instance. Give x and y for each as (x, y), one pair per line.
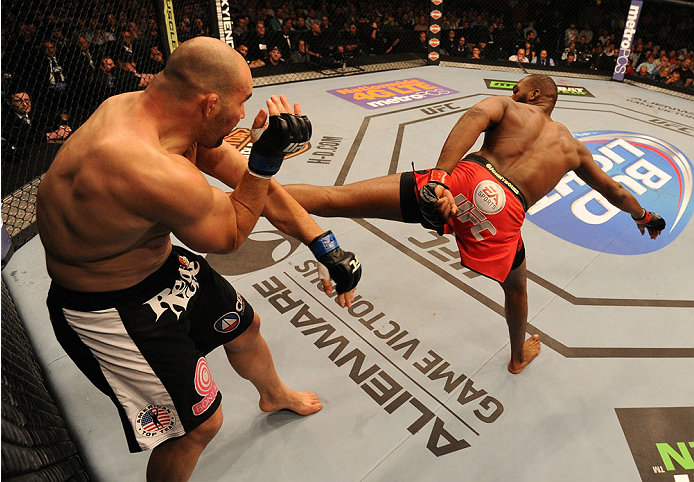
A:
(303, 403)
(531, 348)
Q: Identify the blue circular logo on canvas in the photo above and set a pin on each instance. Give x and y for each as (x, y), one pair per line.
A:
(657, 173)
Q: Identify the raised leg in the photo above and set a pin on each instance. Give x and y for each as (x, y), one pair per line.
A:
(373, 198)
(250, 356)
(516, 309)
(175, 459)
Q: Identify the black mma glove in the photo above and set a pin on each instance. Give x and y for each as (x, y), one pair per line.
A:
(286, 133)
(652, 221)
(428, 198)
(343, 266)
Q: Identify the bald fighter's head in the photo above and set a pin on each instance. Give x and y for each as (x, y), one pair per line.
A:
(204, 64)
(212, 81)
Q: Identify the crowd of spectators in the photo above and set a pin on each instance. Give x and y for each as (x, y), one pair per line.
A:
(69, 58)
(57, 67)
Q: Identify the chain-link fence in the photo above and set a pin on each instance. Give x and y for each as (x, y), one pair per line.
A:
(36, 444)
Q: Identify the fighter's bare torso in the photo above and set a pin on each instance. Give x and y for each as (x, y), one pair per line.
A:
(530, 149)
(92, 204)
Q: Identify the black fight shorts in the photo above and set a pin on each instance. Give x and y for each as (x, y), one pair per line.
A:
(145, 346)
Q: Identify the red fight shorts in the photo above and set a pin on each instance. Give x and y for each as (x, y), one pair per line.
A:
(491, 211)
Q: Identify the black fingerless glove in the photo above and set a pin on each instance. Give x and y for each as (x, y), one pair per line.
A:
(285, 134)
(428, 199)
(343, 266)
(650, 220)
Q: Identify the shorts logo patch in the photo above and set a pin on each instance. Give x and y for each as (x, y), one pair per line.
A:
(227, 323)
(490, 198)
(154, 420)
(205, 386)
(176, 299)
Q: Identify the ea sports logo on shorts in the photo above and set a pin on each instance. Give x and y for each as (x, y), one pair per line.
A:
(490, 198)
(656, 172)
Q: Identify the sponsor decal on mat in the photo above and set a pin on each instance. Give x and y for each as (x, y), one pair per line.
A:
(405, 91)
(656, 172)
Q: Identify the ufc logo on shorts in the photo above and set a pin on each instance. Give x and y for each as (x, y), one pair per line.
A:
(293, 147)
(467, 211)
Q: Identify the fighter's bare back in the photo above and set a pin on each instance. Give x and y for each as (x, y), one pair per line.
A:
(529, 148)
(92, 207)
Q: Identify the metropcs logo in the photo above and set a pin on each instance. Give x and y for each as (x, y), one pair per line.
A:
(657, 173)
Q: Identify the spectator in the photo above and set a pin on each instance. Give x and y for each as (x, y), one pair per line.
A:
(58, 39)
(349, 41)
(607, 59)
(421, 47)
(154, 63)
(685, 71)
(20, 129)
(530, 29)
(51, 77)
(519, 56)
(317, 44)
(662, 63)
(285, 39)
(674, 79)
(461, 48)
(663, 74)
(543, 60)
(128, 79)
(649, 64)
(571, 49)
(586, 32)
(105, 84)
(570, 61)
(300, 55)
(476, 54)
(642, 72)
(253, 64)
(530, 53)
(258, 42)
(240, 30)
(637, 54)
(449, 41)
(570, 35)
(275, 57)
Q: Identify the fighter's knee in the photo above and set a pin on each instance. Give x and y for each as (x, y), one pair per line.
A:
(245, 338)
(207, 430)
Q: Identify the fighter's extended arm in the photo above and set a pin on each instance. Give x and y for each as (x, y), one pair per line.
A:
(285, 213)
(477, 119)
(616, 194)
(205, 218)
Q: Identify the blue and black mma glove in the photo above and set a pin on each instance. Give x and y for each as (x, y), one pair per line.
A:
(343, 266)
(650, 220)
(428, 198)
(285, 134)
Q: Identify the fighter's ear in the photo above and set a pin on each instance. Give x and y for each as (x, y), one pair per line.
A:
(208, 102)
(534, 95)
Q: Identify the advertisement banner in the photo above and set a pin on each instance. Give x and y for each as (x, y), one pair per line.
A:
(627, 39)
(375, 96)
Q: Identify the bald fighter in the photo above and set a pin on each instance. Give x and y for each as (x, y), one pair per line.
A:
(524, 155)
(138, 315)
